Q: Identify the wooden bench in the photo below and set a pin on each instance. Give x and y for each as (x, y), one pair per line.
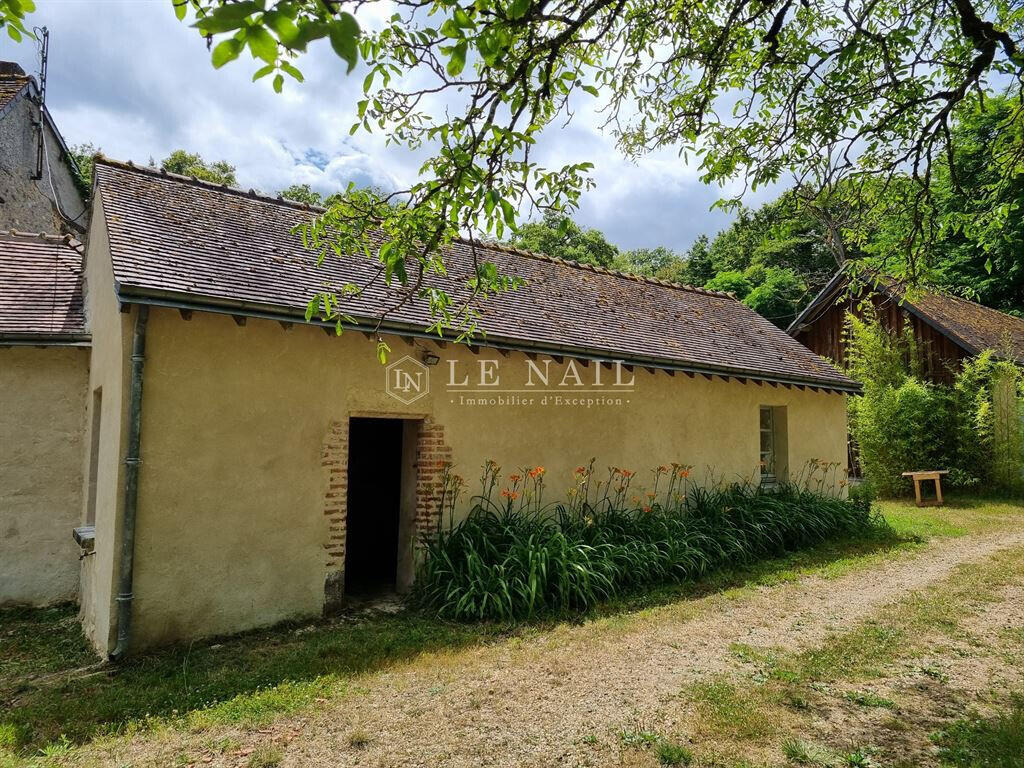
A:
(934, 474)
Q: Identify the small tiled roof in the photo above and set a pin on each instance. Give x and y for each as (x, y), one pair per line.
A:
(11, 86)
(41, 289)
(173, 238)
(971, 326)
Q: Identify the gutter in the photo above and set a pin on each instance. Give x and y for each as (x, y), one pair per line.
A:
(249, 309)
(27, 340)
(131, 490)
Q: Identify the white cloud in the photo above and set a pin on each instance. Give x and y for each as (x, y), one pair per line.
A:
(126, 76)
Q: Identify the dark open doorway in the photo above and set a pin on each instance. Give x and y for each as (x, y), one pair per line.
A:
(374, 505)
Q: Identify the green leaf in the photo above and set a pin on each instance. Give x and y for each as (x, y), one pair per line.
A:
(262, 72)
(285, 66)
(463, 20)
(225, 51)
(518, 8)
(457, 59)
(591, 90)
(988, 265)
(278, 83)
(283, 27)
(308, 31)
(344, 34)
(180, 9)
(226, 18)
(262, 44)
(509, 212)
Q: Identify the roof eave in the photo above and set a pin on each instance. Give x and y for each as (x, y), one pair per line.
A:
(824, 294)
(45, 340)
(176, 300)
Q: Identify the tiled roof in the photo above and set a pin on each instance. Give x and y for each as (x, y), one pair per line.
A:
(11, 86)
(41, 289)
(175, 238)
(974, 326)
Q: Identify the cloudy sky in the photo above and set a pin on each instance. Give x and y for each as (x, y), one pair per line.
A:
(126, 76)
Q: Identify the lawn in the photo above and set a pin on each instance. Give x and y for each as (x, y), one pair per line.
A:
(54, 696)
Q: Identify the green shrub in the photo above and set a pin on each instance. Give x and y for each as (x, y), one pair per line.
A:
(509, 563)
(902, 423)
(901, 429)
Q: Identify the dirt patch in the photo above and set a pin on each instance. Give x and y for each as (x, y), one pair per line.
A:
(566, 697)
(975, 668)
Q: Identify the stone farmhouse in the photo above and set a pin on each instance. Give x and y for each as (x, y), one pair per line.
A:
(241, 466)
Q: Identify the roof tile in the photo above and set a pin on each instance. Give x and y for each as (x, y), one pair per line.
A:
(974, 325)
(40, 287)
(201, 242)
(11, 86)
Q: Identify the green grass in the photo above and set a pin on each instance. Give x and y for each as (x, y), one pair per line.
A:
(37, 641)
(638, 738)
(869, 649)
(800, 752)
(250, 679)
(243, 680)
(869, 699)
(674, 754)
(731, 711)
(960, 516)
(993, 742)
(266, 757)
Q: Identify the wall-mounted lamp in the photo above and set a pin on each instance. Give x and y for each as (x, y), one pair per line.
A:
(429, 358)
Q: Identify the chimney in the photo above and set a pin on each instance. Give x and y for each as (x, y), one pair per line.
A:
(11, 69)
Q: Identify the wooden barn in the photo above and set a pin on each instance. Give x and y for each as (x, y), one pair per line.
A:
(947, 328)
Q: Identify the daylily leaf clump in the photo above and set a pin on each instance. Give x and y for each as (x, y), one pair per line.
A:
(513, 558)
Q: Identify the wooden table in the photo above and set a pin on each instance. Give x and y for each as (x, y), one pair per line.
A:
(934, 474)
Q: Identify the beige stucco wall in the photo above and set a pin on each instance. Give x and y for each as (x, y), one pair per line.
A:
(231, 528)
(42, 422)
(111, 333)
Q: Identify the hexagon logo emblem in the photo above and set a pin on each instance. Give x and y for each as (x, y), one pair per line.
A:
(407, 380)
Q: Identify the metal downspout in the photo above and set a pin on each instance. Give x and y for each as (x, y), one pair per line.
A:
(131, 490)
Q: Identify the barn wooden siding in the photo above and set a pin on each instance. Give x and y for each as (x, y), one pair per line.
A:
(825, 335)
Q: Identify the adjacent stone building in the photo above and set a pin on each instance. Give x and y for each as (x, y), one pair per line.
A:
(39, 186)
(245, 466)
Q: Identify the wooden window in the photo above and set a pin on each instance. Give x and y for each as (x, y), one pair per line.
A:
(767, 444)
